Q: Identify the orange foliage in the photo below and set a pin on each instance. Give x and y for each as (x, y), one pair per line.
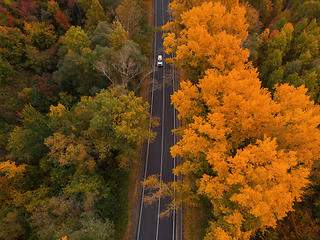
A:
(260, 149)
(202, 44)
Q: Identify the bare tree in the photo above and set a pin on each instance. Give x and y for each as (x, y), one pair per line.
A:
(126, 66)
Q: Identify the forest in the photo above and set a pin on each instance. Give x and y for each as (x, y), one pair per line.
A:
(72, 116)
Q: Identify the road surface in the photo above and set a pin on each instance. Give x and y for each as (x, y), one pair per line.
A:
(158, 159)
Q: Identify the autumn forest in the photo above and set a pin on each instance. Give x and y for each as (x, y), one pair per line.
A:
(74, 113)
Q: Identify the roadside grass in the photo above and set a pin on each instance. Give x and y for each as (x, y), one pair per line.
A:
(194, 223)
(121, 221)
(133, 198)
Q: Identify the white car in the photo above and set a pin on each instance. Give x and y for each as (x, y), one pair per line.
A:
(160, 61)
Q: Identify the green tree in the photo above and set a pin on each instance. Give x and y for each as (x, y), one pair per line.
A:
(118, 121)
(6, 71)
(101, 35)
(77, 74)
(289, 54)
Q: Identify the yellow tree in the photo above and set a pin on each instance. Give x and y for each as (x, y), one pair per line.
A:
(94, 15)
(76, 40)
(10, 175)
(210, 38)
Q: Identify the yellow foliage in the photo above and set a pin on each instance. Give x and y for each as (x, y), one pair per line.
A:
(95, 14)
(119, 36)
(57, 111)
(69, 151)
(11, 170)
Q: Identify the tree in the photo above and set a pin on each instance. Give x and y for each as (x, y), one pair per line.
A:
(26, 9)
(118, 121)
(41, 34)
(124, 66)
(129, 14)
(76, 40)
(26, 144)
(53, 7)
(69, 151)
(13, 44)
(268, 9)
(119, 36)
(61, 18)
(288, 55)
(41, 61)
(11, 176)
(101, 35)
(5, 18)
(94, 15)
(6, 71)
(60, 217)
(77, 74)
(58, 15)
(11, 227)
(201, 44)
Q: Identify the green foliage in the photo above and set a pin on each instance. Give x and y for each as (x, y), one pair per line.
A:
(289, 55)
(122, 116)
(101, 35)
(77, 75)
(5, 128)
(305, 9)
(76, 159)
(6, 71)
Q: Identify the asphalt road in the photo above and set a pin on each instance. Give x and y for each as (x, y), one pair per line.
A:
(159, 160)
